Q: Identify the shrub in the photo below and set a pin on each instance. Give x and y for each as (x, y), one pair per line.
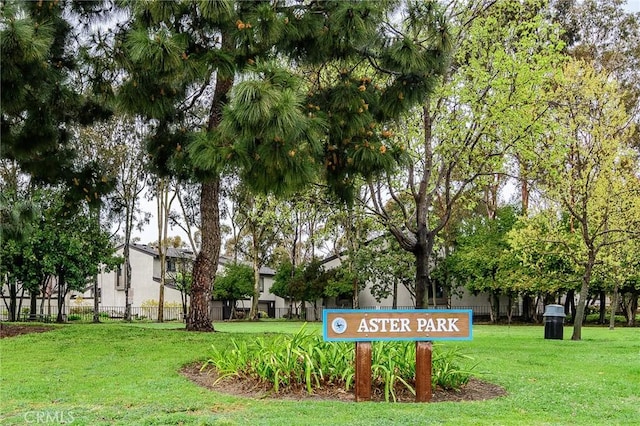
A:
(81, 310)
(152, 303)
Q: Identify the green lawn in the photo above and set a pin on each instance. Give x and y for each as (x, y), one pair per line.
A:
(118, 374)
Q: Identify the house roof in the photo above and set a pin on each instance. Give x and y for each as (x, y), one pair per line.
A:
(180, 253)
(171, 251)
(264, 270)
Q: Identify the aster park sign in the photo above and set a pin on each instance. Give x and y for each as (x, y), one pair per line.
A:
(423, 326)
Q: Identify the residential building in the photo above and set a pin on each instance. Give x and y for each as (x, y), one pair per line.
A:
(462, 299)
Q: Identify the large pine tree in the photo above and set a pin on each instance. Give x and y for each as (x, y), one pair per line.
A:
(316, 83)
(42, 97)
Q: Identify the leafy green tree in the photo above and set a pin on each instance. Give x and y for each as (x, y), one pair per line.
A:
(482, 260)
(618, 275)
(305, 283)
(68, 246)
(386, 267)
(491, 100)
(626, 275)
(590, 170)
(17, 275)
(606, 34)
(258, 222)
(312, 284)
(286, 273)
(20, 217)
(235, 283)
(341, 282)
(545, 268)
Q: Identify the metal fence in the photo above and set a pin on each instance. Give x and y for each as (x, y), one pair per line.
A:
(117, 313)
(311, 314)
(106, 313)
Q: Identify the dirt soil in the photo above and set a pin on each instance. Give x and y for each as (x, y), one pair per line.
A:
(475, 390)
(11, 330)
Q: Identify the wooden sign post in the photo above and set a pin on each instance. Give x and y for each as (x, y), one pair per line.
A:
(363, 371)
(423, 371)
(423, 326)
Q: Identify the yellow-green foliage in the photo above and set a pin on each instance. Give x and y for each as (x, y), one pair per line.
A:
(152, 303)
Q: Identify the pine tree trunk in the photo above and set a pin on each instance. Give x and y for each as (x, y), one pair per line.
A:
(205, 265)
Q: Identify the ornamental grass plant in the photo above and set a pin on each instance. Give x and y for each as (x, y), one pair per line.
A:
(304, 359)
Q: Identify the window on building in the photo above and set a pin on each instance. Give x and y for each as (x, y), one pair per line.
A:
(439, 292)
(119, 278)
(171, 265)
(262, 284)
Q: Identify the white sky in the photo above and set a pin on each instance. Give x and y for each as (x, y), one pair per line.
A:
(149, 233)
(633, 5)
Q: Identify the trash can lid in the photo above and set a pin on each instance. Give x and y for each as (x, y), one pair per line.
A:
(554, 311)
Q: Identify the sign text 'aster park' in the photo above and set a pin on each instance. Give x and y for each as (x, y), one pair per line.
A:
(416, 324)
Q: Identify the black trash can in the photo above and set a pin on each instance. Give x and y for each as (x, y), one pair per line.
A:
(553, 321)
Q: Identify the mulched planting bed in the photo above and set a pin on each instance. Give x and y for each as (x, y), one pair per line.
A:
(475, 390)
(12, 330)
